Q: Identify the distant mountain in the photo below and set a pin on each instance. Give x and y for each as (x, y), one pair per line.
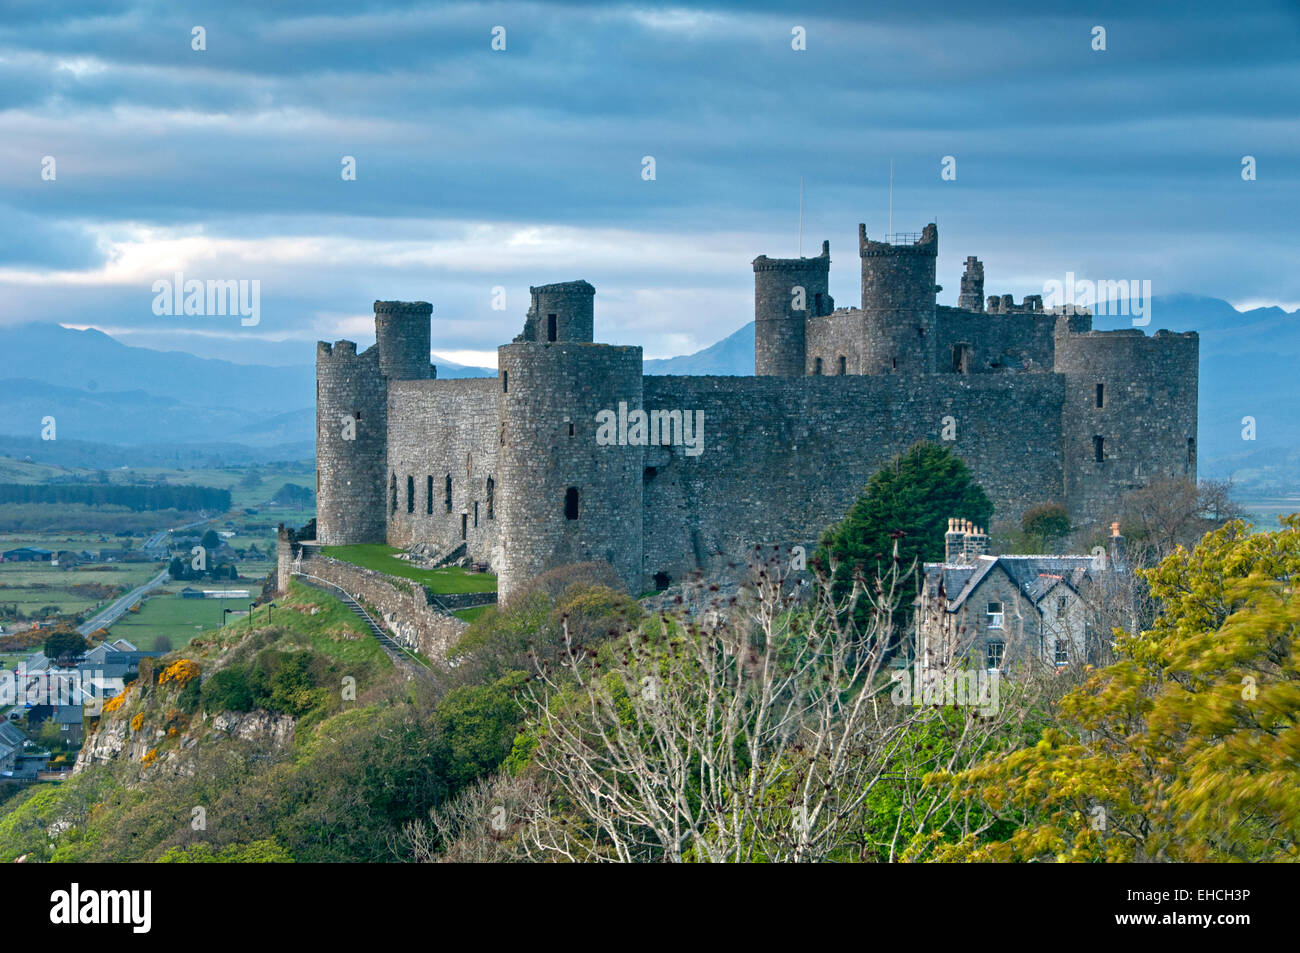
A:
(733, 356)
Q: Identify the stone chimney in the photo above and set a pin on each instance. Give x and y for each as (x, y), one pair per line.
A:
(977, 541)
(953, 541)
(964, 541)
(1116, 548)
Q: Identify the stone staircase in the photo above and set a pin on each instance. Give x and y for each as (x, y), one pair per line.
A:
(395, 651)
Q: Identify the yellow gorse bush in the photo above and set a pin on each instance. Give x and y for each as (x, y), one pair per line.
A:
(180, 672)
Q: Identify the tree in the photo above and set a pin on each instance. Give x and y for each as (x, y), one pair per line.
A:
(1183, 749)
(909, 501)
(65, 648)
(211, 541)
(1173, 512)
(1045, 523)
(759, 730)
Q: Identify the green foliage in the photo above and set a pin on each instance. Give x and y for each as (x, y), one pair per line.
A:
(476, 726)
(1185, 748)
(265, 851)
(227, 690)
(914, 494)
(1046, 522)
(64, 646)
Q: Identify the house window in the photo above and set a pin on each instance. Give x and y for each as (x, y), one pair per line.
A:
(428, 496)
(491, 493)
(505, 382)
(1062, 652)
(550, 327)
(995, 615)
(844, 364)
(1099, 448)
(1101, 396)
(817, 367)
(446, 495)
(571, 503)
(394, 492)
(993, 653)
(410, 494)
(1060, 607)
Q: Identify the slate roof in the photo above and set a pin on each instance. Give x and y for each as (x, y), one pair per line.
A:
(1035, 576)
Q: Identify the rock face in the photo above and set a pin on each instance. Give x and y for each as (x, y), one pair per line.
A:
(114, 741)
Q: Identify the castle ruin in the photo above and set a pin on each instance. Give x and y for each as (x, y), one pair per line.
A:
(1041, 407)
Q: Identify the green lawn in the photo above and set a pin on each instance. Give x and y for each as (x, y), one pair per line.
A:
(445, 581)
(469, 615)
(178, 619)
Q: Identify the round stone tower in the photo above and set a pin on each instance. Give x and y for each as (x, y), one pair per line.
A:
(402, 335)
(564, 496)
(560, 312)
(787, 292)
(898, 292)
(351, 444)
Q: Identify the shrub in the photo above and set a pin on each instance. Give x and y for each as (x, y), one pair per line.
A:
(180, 672)
(227, 690)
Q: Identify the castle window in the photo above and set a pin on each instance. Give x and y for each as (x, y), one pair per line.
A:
(491, 492)
(661, 581)
(551, 329)
(476, 514)
(817, 304)
(505, 382)
(428, 496)
(893, 363)
(1099, 448)
(817, 367)
(410, 494)
(844, 364)
(1101, 396)
(570, 429)
(1191, 449)
(356, 415)
(571, 503)
(464, 526)
(394, 492)
(446, 496)
(961, 358)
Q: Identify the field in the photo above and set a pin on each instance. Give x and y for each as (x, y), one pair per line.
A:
(33, 585)
(176, 618)
(445, 581)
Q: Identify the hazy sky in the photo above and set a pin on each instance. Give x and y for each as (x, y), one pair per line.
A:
(478, 168)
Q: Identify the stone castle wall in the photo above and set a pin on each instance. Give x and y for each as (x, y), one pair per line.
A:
(440, 430)
(351, 441)
(783, 459)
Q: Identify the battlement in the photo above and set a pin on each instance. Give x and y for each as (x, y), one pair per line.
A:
(1006, 304)
(339, 351)
(926, 244)
(821, 263)
(416, 309)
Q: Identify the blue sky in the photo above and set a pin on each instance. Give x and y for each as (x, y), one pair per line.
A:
(478, 168)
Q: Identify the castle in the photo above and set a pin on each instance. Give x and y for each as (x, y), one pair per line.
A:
(572, 454)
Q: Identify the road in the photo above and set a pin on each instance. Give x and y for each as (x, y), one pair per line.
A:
(115, 611)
